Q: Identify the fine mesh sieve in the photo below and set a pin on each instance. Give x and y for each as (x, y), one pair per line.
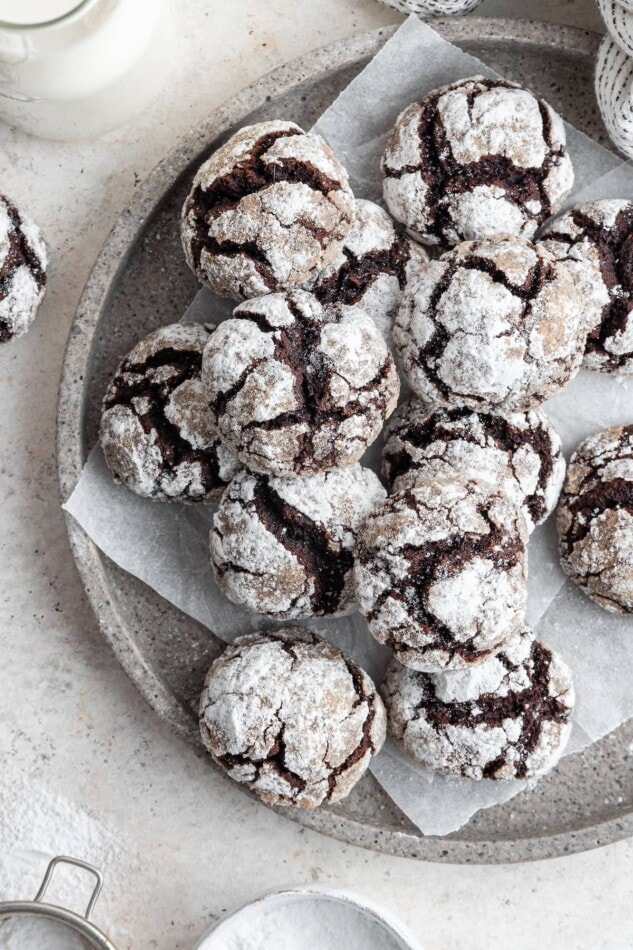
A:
(61, 915)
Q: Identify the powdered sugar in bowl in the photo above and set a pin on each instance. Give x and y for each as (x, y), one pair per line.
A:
(312, 917)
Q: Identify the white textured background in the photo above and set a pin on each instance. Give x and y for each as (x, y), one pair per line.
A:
(72, 728)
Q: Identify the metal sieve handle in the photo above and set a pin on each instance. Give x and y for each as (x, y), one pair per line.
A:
(62, 859)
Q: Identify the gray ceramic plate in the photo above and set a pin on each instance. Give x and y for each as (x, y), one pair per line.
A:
(140, 279)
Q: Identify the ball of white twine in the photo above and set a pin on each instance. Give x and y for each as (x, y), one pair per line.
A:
(619, 22)
(614, 87)
(428, 8)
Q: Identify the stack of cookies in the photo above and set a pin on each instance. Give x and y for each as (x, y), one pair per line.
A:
(272, 411)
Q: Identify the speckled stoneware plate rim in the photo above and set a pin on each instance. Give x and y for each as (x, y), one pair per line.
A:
(72, 451)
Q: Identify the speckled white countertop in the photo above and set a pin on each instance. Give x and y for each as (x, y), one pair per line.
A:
(75, 738)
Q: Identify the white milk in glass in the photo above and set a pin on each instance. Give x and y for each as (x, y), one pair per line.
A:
(70, 69)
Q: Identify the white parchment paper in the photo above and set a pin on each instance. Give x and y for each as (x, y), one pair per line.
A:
(166, 545)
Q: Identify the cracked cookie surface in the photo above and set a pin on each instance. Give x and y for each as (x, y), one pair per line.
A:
(295, 389)
(440, 573)
(595, 519)
(156, 430)
(292, 717)
(284, 546)
(23, 261)
(505, 718)
(372, 268)
(266, 211)
(518, 452)
(492, 325)
(595, 240)
(476, 158)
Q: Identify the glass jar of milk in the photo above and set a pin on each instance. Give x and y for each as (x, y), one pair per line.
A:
(74, 69)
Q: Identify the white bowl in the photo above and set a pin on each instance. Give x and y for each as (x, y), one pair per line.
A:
(307, 912)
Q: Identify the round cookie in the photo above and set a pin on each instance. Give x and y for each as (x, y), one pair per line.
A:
(23, 261)
(492, 325)
(284, 546)
(519, 452)
(156, 430)
(473, 159)
(595, 519)
(291, 717)
(269, 209)
(440, 573)
(295, 389)
(595, 241)
(505, 718)
(372, 268)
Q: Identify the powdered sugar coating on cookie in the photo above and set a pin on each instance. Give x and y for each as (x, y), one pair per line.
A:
(266, 211)
(284, 547)
(372, 268)
(505, 718)
(476, 158)
(595, 519)
(292, 717)
(595, 241)
(492, 325)
(440, 573)
(156, 429)
(23, 261)
(296, 389)
(518, 452)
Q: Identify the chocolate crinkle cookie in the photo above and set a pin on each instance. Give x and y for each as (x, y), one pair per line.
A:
(372, 268)
(284, 546)
(595, 519)
(519, 452)
(440, 573)
(269, 209)
(595, 241)
(156, 430)
(477, 158)
(23, 261)
(492, 325)
(505, 718)
(291, 717)
(296, 389)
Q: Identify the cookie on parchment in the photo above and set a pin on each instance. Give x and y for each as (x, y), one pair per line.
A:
(519, 452)
(492, 325)
(270, 208)
(440, 573)
(476, 158)
(595, 241)
(595, 519)
(290, 716)
(156, 432)
(296, 389)
(505, 718)
(371, 270)
(285, 546)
